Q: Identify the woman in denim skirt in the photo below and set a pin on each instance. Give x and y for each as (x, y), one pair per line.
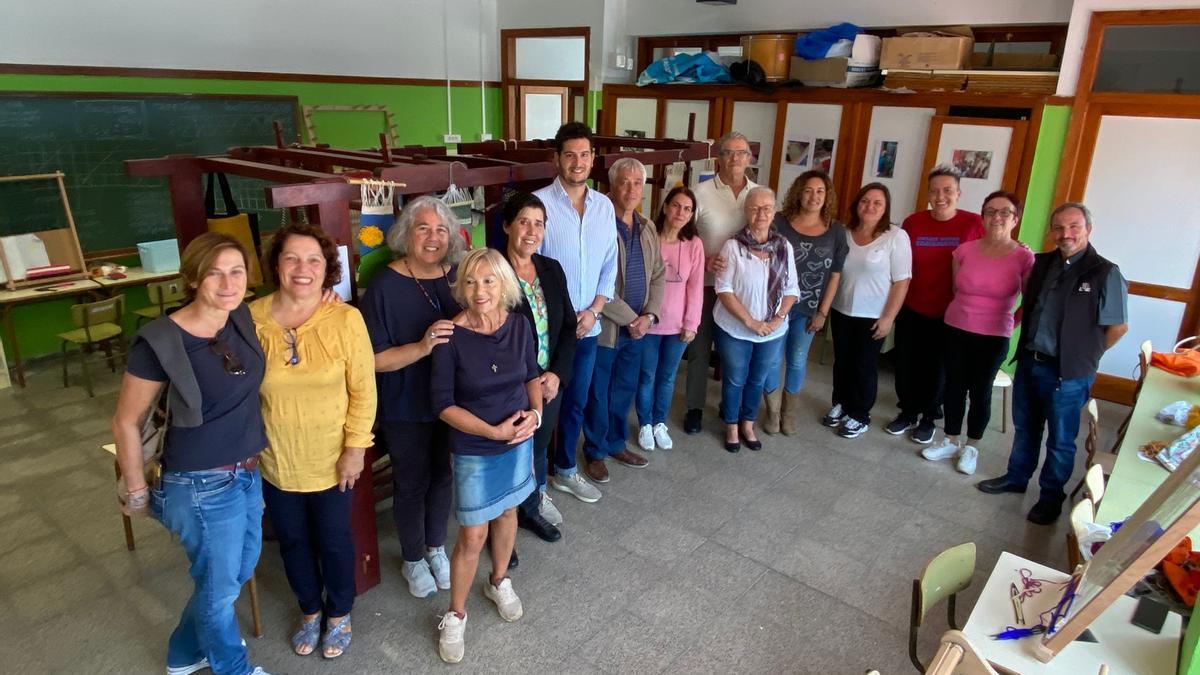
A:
(210, 494)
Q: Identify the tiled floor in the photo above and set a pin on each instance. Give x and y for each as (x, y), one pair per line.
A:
(796, 559)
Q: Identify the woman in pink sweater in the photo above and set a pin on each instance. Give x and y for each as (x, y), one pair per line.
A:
(683, 298)
(988, 276)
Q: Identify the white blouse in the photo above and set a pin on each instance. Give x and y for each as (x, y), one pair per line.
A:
(870, 271)
(746, 277)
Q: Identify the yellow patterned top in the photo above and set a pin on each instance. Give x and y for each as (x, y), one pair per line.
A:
(321, 404)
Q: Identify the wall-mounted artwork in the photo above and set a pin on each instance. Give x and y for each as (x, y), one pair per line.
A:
(798, 153)
(885, 161)
(972, 163)
(823, 154)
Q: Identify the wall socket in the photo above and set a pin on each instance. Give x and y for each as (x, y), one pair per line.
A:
(452, 138)
(485, 137)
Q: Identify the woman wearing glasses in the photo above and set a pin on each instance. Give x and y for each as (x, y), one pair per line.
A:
(318, 401)
(682, 304)
(755, 292)
(408, 308)
(210, 493)
(988, 275)
(819, 243)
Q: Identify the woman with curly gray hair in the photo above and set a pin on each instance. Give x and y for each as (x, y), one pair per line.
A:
(407, 309)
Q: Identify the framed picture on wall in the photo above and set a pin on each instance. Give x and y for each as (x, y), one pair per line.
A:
(985, 152)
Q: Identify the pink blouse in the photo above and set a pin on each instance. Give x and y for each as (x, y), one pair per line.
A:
(683, 292)
(986, 289)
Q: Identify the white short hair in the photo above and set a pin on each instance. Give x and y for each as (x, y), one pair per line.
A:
(625, 164)
(397, 236)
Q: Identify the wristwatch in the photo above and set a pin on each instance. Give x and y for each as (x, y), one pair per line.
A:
(594, 313)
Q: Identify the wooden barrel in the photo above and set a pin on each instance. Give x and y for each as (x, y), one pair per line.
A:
(772, 51)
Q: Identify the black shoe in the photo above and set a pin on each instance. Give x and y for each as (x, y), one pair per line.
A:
(538, 525)
(753, 445)
(995, 486)
(923, 434)
(693, 421)
(735, 446)
(899, 425)
(1045, 511)
(513, 561)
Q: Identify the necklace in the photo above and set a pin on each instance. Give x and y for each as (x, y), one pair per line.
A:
(431, 299)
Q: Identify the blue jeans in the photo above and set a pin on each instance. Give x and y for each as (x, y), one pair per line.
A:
(656, 383)
(614, 383)
(795, 350)
(574, 398)
(1041, 400)
(744, 368)
(217, 516)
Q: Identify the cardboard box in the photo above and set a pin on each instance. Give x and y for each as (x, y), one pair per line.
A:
(861, 69)
(1003, 61)
(936, 49)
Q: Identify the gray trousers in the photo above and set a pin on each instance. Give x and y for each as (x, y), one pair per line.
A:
(699, 353)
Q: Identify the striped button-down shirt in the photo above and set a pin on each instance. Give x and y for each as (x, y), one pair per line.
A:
(585, 247)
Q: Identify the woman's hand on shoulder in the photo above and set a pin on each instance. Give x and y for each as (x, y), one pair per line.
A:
(438, 334)
(330, 297)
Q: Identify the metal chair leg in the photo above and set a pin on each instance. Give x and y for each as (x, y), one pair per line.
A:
(66, 382)
(87, 375)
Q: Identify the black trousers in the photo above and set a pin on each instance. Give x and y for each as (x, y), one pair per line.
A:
(422, 485)
(971, 364)
(855, 365)
(316, 545)
(920, 373)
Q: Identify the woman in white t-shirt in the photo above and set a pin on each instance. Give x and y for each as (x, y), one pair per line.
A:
(874, 280)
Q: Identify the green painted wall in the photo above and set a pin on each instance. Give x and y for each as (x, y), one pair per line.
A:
(419, 112)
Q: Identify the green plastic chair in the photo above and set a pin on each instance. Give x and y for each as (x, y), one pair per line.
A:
(96, 324)
(163, 295)
(943, 577)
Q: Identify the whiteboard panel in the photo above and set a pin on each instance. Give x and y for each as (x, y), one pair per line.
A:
(757, 121)
(641, 115)
(959, 139)
(1149, 319)
(1144, 192)
(550, 58)
(543, 115)
(805, 126)
(908, 129)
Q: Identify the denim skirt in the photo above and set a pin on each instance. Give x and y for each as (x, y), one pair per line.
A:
(488, 485)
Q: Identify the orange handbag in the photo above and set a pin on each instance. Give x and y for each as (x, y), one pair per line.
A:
(1184, 361)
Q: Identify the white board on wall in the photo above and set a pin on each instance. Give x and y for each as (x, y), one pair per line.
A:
(805, 126)
(756, 120)
(908, 128)
(640, 115)
(971, 138)
(543, 115)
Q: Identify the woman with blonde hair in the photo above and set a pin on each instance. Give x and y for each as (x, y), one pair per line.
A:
(486, 387)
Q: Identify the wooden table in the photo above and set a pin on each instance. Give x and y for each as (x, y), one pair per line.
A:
(1125, 648)
(1133, 478)
(136, 276)
(25, 296)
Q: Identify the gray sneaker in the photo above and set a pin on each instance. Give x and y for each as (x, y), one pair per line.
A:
(439, 566)
(549, 511)
(576, 485)
(505, 598)
(420, 580)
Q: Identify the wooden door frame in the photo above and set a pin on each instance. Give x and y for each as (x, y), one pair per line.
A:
(510, 84)
(1012, 162)
(564, 92)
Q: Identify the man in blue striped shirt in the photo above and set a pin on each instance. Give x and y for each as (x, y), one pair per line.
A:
(581, 236)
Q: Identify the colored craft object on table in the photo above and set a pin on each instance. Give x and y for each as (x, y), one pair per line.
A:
(376, 216)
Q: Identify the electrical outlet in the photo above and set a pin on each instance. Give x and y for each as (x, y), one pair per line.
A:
(452, 138)
(629, 64)
(620, 60)
(485, 137)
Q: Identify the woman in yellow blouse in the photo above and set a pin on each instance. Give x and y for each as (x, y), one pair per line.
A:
(318, 403)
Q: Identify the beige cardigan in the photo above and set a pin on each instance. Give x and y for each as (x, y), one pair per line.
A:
(616, 313)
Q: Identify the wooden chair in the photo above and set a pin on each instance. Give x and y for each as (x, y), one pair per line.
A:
(163, 295)
(1093, 482)
(1144, 352)
(97, 324)
(1095, 456)
(942, 579)
(252, 585)
(957, 656)
(1005, 383)
(1082, 514)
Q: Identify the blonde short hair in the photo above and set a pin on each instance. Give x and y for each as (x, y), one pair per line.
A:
(510, 288)
(201, 255)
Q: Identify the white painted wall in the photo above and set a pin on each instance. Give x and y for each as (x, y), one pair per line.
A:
(386, 38)
(1081, 16)
(561, 14)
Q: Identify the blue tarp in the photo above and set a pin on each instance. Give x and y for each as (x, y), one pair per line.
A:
(703, 68)
(815, 45)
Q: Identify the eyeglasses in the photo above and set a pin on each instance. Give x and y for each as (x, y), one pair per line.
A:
(233, 365)
(289, 338)
(762, 209)
(1003, 213)
(735, 153)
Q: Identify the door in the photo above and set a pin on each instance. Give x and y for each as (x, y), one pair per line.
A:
(543, 110)
(987, 154)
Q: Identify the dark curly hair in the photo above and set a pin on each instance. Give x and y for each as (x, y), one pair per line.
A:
(885, 222)
(795, 196)
(571, 131)
(333, 270)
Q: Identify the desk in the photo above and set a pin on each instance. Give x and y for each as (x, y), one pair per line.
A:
(1125, 648)
(23, 296)
(1133, 478)
(136, 276)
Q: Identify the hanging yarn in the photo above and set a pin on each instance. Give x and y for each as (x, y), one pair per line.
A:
(376, 215)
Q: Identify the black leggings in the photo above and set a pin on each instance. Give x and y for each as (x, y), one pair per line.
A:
(971, 364)
(422, 484)
(855, 365)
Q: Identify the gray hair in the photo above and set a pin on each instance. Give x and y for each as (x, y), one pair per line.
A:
(731, 136)
(510, 288)
(397, 236)
(758, 190)
(944, 170)
(625, 164)
(1087, 213)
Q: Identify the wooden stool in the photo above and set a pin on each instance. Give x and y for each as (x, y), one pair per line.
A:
(1005, 383)
(252, 585)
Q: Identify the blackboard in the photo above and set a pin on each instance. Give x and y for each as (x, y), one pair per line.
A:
(89, 136)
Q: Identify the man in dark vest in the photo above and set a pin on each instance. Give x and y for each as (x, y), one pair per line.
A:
(1074, 309)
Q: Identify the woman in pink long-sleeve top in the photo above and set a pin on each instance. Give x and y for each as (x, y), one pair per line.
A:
(683, 299)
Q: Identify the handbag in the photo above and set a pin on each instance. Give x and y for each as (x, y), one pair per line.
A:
(241, 226)
(153, 439)
(1183, 361)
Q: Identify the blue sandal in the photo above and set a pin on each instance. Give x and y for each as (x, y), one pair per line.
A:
(307, 637)
(337, 638)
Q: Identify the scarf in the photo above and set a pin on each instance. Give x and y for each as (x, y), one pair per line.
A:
(776, 248)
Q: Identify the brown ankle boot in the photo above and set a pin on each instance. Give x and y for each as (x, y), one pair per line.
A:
(771, 403)
(790, 413)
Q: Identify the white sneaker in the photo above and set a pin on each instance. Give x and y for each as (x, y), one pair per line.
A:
(834, 417)
(944, 450)
(646, 437)
(851, 428)
(188, 670)
(450, 637)
(439, 566)
(420, 581)
(259, 671)
(505, 598)
(662, 437)
(967, 460)
(549, 511)
(576, 485)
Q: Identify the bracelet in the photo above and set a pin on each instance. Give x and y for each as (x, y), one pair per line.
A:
(137, 498)
(537, 412)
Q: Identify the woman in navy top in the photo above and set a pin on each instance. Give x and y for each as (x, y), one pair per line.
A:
(486, 387)
(407, 309)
